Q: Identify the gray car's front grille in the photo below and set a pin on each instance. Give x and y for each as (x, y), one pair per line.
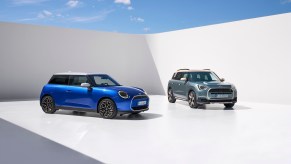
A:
(220, 93)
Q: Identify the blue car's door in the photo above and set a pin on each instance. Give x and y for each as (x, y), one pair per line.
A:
(58, 86)
(77, 96)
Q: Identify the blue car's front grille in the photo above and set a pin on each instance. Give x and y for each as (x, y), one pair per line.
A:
(140, 107)
(140, 103)
(140, 97)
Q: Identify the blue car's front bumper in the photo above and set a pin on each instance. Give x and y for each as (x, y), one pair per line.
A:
(134, 104)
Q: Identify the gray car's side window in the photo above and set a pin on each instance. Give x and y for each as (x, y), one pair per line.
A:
(185, 75)
(178, 76)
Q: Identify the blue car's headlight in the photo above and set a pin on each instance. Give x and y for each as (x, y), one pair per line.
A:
(202, 87)
(123, 94)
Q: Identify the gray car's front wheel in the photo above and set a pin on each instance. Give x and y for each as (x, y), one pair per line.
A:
(48, 105)
(192, 100)
(229, 106)
(107, 109)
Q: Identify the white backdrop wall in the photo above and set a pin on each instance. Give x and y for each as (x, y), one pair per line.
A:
(30, 54)
(253, 54)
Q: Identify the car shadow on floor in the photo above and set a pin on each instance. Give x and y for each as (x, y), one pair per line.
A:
(140, 116)
(215, 106)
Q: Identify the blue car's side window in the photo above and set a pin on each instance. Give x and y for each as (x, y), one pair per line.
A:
(59, 79)
(77, 80)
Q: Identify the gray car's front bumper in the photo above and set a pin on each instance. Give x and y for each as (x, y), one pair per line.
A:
(203, 100)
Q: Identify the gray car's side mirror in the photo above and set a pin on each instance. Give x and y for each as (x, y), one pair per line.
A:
(183, 79)
(222, 79)
(87, 85)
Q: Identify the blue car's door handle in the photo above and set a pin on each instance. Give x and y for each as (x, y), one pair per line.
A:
(68, 91)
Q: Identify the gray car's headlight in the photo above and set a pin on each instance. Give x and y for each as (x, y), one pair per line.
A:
(233, 87)
(202, 87)
(123, 94)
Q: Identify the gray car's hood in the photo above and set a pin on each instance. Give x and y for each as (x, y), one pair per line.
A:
(215, 84)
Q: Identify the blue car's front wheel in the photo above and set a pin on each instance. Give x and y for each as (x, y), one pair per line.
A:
(107, 109)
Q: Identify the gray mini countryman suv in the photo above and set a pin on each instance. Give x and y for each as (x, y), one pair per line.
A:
(200, 87)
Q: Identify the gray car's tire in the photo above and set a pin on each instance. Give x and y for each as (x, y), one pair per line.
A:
(48, 105)
(171, 97)
(107, 109)
(229, 106)
(192, 100)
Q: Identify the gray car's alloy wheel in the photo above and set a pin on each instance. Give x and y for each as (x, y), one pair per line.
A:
(48, 104)
(107, 109)
(192, 100)
(171, 97)
(229, 106)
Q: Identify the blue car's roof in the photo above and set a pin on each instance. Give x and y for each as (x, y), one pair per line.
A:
(77, 73)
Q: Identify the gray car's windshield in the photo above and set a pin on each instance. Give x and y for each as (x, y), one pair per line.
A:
(103, 80)
(202, 76)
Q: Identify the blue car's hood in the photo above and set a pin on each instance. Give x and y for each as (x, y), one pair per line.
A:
(129, 90)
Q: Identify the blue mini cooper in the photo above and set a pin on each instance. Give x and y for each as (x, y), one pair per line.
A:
(92, 92)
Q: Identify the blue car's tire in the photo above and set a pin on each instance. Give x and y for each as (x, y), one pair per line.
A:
(107, 109)
(192, 100)
(48, 105)
(171, 97)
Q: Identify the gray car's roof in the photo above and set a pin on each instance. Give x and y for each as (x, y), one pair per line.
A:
(75, 73)
(194, 70)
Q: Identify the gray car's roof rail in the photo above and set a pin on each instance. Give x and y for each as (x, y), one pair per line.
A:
(183, 69)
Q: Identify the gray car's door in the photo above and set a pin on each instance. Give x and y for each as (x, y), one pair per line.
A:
(175, 83)
(182, 86)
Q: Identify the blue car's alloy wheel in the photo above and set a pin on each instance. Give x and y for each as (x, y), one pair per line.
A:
(107, 109)
(48, 105)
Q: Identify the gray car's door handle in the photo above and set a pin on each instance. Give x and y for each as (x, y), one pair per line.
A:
(179, 84)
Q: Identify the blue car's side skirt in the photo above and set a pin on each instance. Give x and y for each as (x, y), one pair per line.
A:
(76, 109)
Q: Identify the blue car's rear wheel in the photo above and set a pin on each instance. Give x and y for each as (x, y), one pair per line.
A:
(48, 105)
(107, 109)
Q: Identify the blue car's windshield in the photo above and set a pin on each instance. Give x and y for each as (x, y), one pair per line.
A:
(202, 76)
(103, 80)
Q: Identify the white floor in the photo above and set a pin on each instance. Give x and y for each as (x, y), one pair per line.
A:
(167, 133)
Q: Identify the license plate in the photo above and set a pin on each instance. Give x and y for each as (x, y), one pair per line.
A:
(142, 103)
(222, 96)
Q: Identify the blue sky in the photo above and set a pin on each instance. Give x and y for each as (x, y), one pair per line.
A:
(136, 16)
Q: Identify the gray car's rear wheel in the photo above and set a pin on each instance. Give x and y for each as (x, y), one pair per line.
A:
(48, 105)
(171, 97)
(107, 109)
(229, 106)
(192, 100)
